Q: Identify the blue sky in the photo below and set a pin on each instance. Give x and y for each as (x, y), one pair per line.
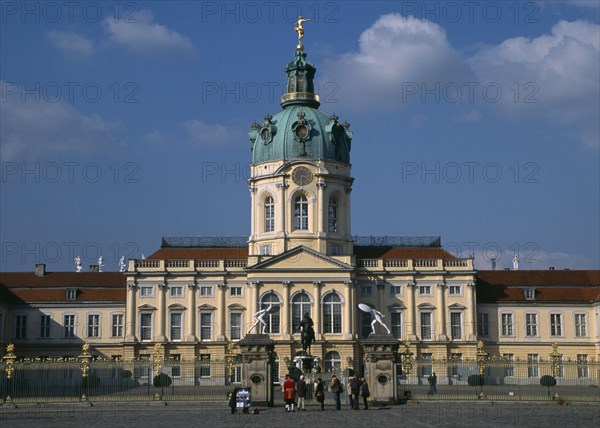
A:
(122, 122)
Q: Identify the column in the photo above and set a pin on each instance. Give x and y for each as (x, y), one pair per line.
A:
(285, 310)
(318, 311)
(190, 316)
(282, 218)
(222, 310)
(252, 303)
(254, 225)
(131, 312)
(471, 334)
(348, 309)
(380, 296)
(160, 314)
(410, 312)
(441, 311)
(322, 207)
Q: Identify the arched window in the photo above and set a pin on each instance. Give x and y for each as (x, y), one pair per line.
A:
(332, 362)
(332, 313)
(269, 214)
(301, 213)
(272, 319)
(333, 206)
(300, 306)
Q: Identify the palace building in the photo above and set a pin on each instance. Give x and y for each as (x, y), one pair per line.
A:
(195, 296)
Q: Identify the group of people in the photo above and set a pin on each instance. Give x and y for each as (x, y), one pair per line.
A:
(357, 387)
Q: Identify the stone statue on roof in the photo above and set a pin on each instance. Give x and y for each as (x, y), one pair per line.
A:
(78, 267)
(122, 267)
(515, 262)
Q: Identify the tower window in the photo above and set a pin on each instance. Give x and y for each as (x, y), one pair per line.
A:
(333, 206)
(269, 215)
(301, 213)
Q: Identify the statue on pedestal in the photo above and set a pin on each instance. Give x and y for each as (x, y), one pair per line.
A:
(307, 332)
(260, 318)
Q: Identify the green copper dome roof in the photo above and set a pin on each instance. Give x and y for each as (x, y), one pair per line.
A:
(300, 130)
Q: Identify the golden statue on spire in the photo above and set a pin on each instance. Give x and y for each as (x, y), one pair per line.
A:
(299, 28)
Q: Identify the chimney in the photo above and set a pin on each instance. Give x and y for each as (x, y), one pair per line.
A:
(506, 268)
(40, 269)
(551, 267)
(94, 268)
(567, 269)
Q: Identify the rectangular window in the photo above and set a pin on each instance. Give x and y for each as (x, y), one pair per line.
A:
(395, 290)
(555, 324)
(454, 290)
(235, 325)
(235, 291)
(365, 290)
(509, 368)
(204, 365)
(205, 326)
(71, 293)
(483, 324)
(117, 325)
(146, 291)
(532, 365)
(365, 324)
(265, 250)
(582, 365)
(93, 326)
(45, 326)
(206, 291)
(396, 324)
(425, 290)
(21, 327)
(332, 318)
(269, 215)
(69, 326)
(531, 325)
(146, 326)
(426, 326)
(176, 325)
(455, 325)
(580, 325)
(175, 368)
(507, 325)
(455, 364)
(426, 369)
(176, 291)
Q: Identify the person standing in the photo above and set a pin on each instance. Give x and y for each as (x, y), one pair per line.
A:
(364, 392)
(432, 383)
(320, 393)
(289, 393)
(336, 389)
(301, 392)
(355, 391)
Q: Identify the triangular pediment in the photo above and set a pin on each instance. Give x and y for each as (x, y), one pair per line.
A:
(301, 259)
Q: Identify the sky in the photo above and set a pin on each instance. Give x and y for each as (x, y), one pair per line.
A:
(122, 122)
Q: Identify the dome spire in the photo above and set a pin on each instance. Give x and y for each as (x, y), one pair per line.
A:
(300, 74)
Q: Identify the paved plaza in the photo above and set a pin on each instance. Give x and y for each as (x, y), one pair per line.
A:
(213, 415)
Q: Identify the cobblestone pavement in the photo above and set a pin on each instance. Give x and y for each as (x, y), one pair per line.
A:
(214, 415)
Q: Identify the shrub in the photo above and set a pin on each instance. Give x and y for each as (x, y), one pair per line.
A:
(162, 379)
(475, 380)
(90, 381)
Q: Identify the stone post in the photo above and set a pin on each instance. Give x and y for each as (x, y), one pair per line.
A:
(257, 364)
(380, 367)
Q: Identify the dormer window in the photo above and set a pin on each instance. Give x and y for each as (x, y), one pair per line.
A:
(71, 293)
(529, 293)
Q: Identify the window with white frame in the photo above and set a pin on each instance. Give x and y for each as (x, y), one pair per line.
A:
(509, 368)
(204, 365)
(45, 321)
(426, 333)
(266, 249)
(425, 290)
(21, 327)
(269, 214)
(395, 290)
(93, 329)
(273, 318)
(235, 325)
(206, 326)
(529, 293)
(454, 290)
(301, 213)
(176, 322)
(146, 291)
(396, 324)
(175, 367)
(146, 326)
(556, 325)
(507, 325)
(531, 325)
(235, 290)
(300, 305)
(581, 325)
(71, 293)
(455, 361)
(176, 290)
(332, 313)
(483, 324)
(582, 365)
(206, 291)
(427, 361)
(117, 324)
(333, 209)
(332, 362)
(532, 365)
(365, 290)
(456, 325)
(69, 325)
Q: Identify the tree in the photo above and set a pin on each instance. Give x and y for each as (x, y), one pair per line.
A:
(548, 381)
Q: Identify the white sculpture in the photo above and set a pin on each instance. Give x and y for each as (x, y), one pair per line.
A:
(122, 264)
(516, 262)
(259, 317)
(100, 263)
(376, 316)
(78, 266)
(493, 260)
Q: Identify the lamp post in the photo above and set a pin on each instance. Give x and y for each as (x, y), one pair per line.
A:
(407, 359)
(555, 356)
(157, 360)
(481, 357)
(85, 358)
(9, 361)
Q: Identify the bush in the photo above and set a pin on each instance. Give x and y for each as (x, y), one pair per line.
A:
(475, 380)
(162, 379)
(548, 381)
(91, 381)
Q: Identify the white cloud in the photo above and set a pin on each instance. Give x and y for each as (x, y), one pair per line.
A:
(71, 43)
(35, 129)
(146, 37)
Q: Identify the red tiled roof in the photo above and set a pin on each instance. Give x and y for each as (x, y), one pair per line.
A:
(200, 253)
(550, 286)
(402, 253)
(51, 287)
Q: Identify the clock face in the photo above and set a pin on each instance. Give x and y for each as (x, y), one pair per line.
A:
(302, 176)
(301, 132)
(265, 135)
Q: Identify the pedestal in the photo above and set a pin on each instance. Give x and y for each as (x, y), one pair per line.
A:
(380, 367)
(257, 363)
